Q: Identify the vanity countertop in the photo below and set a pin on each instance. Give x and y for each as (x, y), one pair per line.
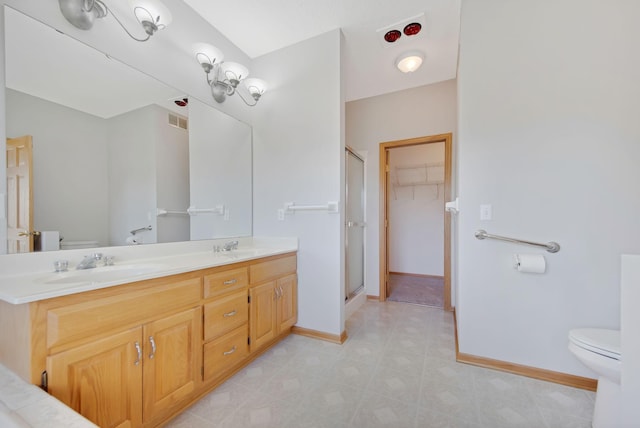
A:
(30, 277)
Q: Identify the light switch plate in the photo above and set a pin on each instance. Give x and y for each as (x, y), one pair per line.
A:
(485, 212)
(281, 214)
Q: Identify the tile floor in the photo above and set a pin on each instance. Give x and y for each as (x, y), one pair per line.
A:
(397, 369)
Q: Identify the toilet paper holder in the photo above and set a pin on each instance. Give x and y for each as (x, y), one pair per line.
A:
(552, 247)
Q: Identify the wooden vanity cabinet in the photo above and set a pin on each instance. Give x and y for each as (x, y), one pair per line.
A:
(100, 380)
(125, 356)
(137, 354)
(274, 300)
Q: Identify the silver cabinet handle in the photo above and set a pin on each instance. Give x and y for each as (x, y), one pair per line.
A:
(230, 351)
(230, 281)
(153, 347)
(139, 351)
(277, 289)
(281, 291)
(230, 314)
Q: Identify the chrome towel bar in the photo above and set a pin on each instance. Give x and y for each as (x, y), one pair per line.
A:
(134, 231)
(552, 247)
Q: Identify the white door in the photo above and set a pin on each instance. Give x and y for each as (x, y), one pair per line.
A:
(19, 195)
(355, 224)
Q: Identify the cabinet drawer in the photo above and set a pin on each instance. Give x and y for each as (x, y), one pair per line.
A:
(272, 269)
(118, 309)
(225, 282)
(225, 314)
(224, 353)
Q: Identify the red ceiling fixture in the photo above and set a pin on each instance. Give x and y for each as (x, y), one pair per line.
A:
(183, 102)
(392, 36)
(412, 29)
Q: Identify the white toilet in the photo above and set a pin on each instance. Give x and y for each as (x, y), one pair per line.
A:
(599, 349)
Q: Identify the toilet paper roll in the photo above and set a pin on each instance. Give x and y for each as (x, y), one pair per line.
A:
(530, 263)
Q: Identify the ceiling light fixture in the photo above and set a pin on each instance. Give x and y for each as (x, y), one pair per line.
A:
(225, 77)
(410, 61)
(151, 14)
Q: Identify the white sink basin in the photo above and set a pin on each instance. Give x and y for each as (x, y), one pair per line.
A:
(102, 274)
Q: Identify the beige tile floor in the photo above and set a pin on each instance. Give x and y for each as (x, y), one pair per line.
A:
(397, 369)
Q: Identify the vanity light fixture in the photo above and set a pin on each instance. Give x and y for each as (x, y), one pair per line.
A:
(151, 14)
(410, 61)
(225, 77)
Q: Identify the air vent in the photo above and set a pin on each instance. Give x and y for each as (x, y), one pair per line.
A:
(178, 121)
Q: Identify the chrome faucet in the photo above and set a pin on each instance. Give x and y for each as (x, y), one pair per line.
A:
(231, 245)
(89, 262)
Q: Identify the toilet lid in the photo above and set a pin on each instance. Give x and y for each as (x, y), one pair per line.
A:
(599, 340)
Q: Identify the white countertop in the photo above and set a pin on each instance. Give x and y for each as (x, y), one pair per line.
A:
(30, 277)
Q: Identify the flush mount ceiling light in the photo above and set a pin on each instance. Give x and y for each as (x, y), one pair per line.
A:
(409, 62)
(225, 77)
(151, 14)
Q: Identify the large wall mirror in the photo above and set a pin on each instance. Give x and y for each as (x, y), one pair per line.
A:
(112, 150)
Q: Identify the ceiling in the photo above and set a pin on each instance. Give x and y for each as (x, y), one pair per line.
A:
(258, 27)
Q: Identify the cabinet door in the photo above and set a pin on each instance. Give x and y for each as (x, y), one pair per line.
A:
(262, 314)
(172, 360)
(101, 380)
(287, 302)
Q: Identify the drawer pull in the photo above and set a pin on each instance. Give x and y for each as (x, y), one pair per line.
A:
(230, 281)
(139, 351)
(230, 314)
(153, 347)
(230, 351)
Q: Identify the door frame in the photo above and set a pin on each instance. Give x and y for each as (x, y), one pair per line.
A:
(349, 150)
(383, 209)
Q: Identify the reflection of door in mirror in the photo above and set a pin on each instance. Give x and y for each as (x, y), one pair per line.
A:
(19, 195)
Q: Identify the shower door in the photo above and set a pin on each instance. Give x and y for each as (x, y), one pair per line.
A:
(355, 224)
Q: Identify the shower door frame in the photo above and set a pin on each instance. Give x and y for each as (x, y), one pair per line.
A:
(383, 209)
(350, 151)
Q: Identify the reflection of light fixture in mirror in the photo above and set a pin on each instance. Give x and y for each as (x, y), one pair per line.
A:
(224, 77)
(410, 61)
(151, 14)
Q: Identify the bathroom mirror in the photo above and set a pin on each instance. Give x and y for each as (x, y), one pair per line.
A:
(113, 151)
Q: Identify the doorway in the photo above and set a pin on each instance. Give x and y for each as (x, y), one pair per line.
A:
(415, 182)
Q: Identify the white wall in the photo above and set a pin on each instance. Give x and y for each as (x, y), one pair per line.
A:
(172, 177)
(548, 134)
(69, 166)
(416, 212)
(298, 154)
(220, 164)
(427, 110)
(132, 174)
